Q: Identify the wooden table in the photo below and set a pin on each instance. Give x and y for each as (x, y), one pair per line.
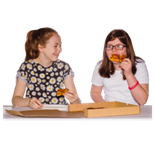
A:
(146, 114)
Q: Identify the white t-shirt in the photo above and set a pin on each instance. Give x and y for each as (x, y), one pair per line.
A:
(115, 88)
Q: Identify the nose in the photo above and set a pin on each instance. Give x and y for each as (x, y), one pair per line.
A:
(59, 49)
(114, 49)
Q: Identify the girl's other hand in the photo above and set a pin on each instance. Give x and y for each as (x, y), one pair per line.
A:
(35, 103)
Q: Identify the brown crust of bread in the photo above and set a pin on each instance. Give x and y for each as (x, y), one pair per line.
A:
(117, 58)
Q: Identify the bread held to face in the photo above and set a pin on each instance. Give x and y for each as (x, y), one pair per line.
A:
(117, 58)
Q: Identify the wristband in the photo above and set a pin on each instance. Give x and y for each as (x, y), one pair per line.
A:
(130, 88)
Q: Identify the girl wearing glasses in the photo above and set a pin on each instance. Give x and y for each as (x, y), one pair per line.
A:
(125, 81)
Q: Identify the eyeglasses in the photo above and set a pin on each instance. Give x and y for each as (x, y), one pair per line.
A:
(117, 47)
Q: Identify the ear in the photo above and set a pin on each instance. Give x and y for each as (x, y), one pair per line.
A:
(40, 47)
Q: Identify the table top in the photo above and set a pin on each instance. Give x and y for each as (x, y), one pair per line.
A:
(146, 114)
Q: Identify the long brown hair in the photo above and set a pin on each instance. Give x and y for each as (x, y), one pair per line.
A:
(35, 37)
(107, 68)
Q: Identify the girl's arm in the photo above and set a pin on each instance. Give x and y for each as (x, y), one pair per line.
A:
(18, 99)
(71, 95)
(96, 93)
(19, 91)
(140, 92)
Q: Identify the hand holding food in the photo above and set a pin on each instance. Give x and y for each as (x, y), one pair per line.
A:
(126, 65)
(72, 96)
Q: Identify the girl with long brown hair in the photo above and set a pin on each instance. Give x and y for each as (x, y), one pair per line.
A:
(125, 81)
(43, 73)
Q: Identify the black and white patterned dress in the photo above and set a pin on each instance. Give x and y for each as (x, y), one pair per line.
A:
(43, 82)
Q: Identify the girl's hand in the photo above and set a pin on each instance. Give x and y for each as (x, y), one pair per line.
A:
(35, 103)
(126, 65)
(71, 96)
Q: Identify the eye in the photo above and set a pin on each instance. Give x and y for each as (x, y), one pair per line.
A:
(109, 46)
(59, 45)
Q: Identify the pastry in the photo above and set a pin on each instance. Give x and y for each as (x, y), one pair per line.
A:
(117, 58)
(61, 91)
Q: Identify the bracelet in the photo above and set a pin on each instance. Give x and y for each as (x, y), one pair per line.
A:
(130, 88)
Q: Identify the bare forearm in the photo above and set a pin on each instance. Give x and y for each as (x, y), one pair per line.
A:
(19, 101)
(97, 97)
(139, 93)
(78, 101)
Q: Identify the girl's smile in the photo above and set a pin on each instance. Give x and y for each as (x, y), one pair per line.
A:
(57, 55)
(51, 51)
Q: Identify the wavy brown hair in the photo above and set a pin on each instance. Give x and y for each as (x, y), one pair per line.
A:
(107, 68)
(35, 37)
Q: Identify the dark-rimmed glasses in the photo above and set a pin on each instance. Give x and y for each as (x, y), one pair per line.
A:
(117, 47)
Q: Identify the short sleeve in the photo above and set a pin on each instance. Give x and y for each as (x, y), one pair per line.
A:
(96, 78)
(142, 73)
(22, 73)
(68, 71)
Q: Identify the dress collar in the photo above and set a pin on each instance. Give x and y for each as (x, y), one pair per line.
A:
(53, 64)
